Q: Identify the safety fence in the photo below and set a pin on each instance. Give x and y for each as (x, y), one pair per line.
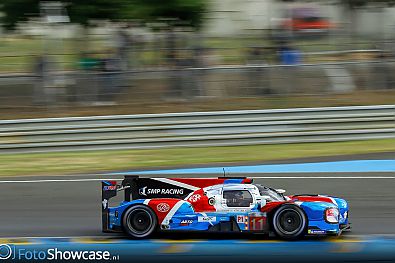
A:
(246, 127)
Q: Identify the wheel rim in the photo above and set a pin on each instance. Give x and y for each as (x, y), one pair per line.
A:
(290, 221)
(139, 221)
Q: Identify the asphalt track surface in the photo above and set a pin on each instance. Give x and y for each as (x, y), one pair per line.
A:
(34, 208)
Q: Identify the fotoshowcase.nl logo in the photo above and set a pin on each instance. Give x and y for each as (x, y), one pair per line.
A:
(18, 253)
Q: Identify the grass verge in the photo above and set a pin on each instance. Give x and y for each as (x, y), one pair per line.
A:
(99, 161)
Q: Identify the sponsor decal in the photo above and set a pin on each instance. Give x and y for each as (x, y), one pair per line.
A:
(160, 191)
(237, 210)
(110, 187)
(104, 202)
(241, 219)
(186, 222)
(211, 201)
(163, 207)
(195, 198)
(316, 231)
(207, 219)
(143, 191)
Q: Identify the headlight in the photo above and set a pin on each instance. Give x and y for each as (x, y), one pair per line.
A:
(332, 215)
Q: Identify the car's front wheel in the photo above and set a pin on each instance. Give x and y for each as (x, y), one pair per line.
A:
(139, 221)
(289, 222)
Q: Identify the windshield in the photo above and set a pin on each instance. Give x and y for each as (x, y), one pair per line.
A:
(274, 196)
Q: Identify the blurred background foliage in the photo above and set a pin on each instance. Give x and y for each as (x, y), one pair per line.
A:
(188, 12)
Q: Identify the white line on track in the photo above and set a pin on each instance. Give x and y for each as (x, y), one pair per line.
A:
(253, 177)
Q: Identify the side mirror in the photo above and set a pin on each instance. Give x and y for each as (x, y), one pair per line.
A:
(280, 191)
(264, 198)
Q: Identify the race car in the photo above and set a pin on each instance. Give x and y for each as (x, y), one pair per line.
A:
(223, 204)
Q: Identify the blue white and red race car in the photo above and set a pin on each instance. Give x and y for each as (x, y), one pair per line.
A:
(223, 204)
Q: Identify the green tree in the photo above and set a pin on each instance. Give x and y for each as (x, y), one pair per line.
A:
(79, 11)
(180, 11)
(82, 11)
(350, 3)
(361, 3)
(17, 10)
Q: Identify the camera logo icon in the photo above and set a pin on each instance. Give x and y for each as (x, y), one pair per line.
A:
(5, 251)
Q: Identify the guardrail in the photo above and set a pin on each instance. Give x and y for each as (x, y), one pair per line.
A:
(218, 128)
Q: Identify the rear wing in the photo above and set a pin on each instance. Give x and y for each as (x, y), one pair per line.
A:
(135, 187)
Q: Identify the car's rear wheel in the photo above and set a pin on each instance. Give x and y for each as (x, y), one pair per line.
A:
(139, 221)
(289, 222)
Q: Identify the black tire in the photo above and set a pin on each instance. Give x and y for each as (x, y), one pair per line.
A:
(289, 222)
(139, 221)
